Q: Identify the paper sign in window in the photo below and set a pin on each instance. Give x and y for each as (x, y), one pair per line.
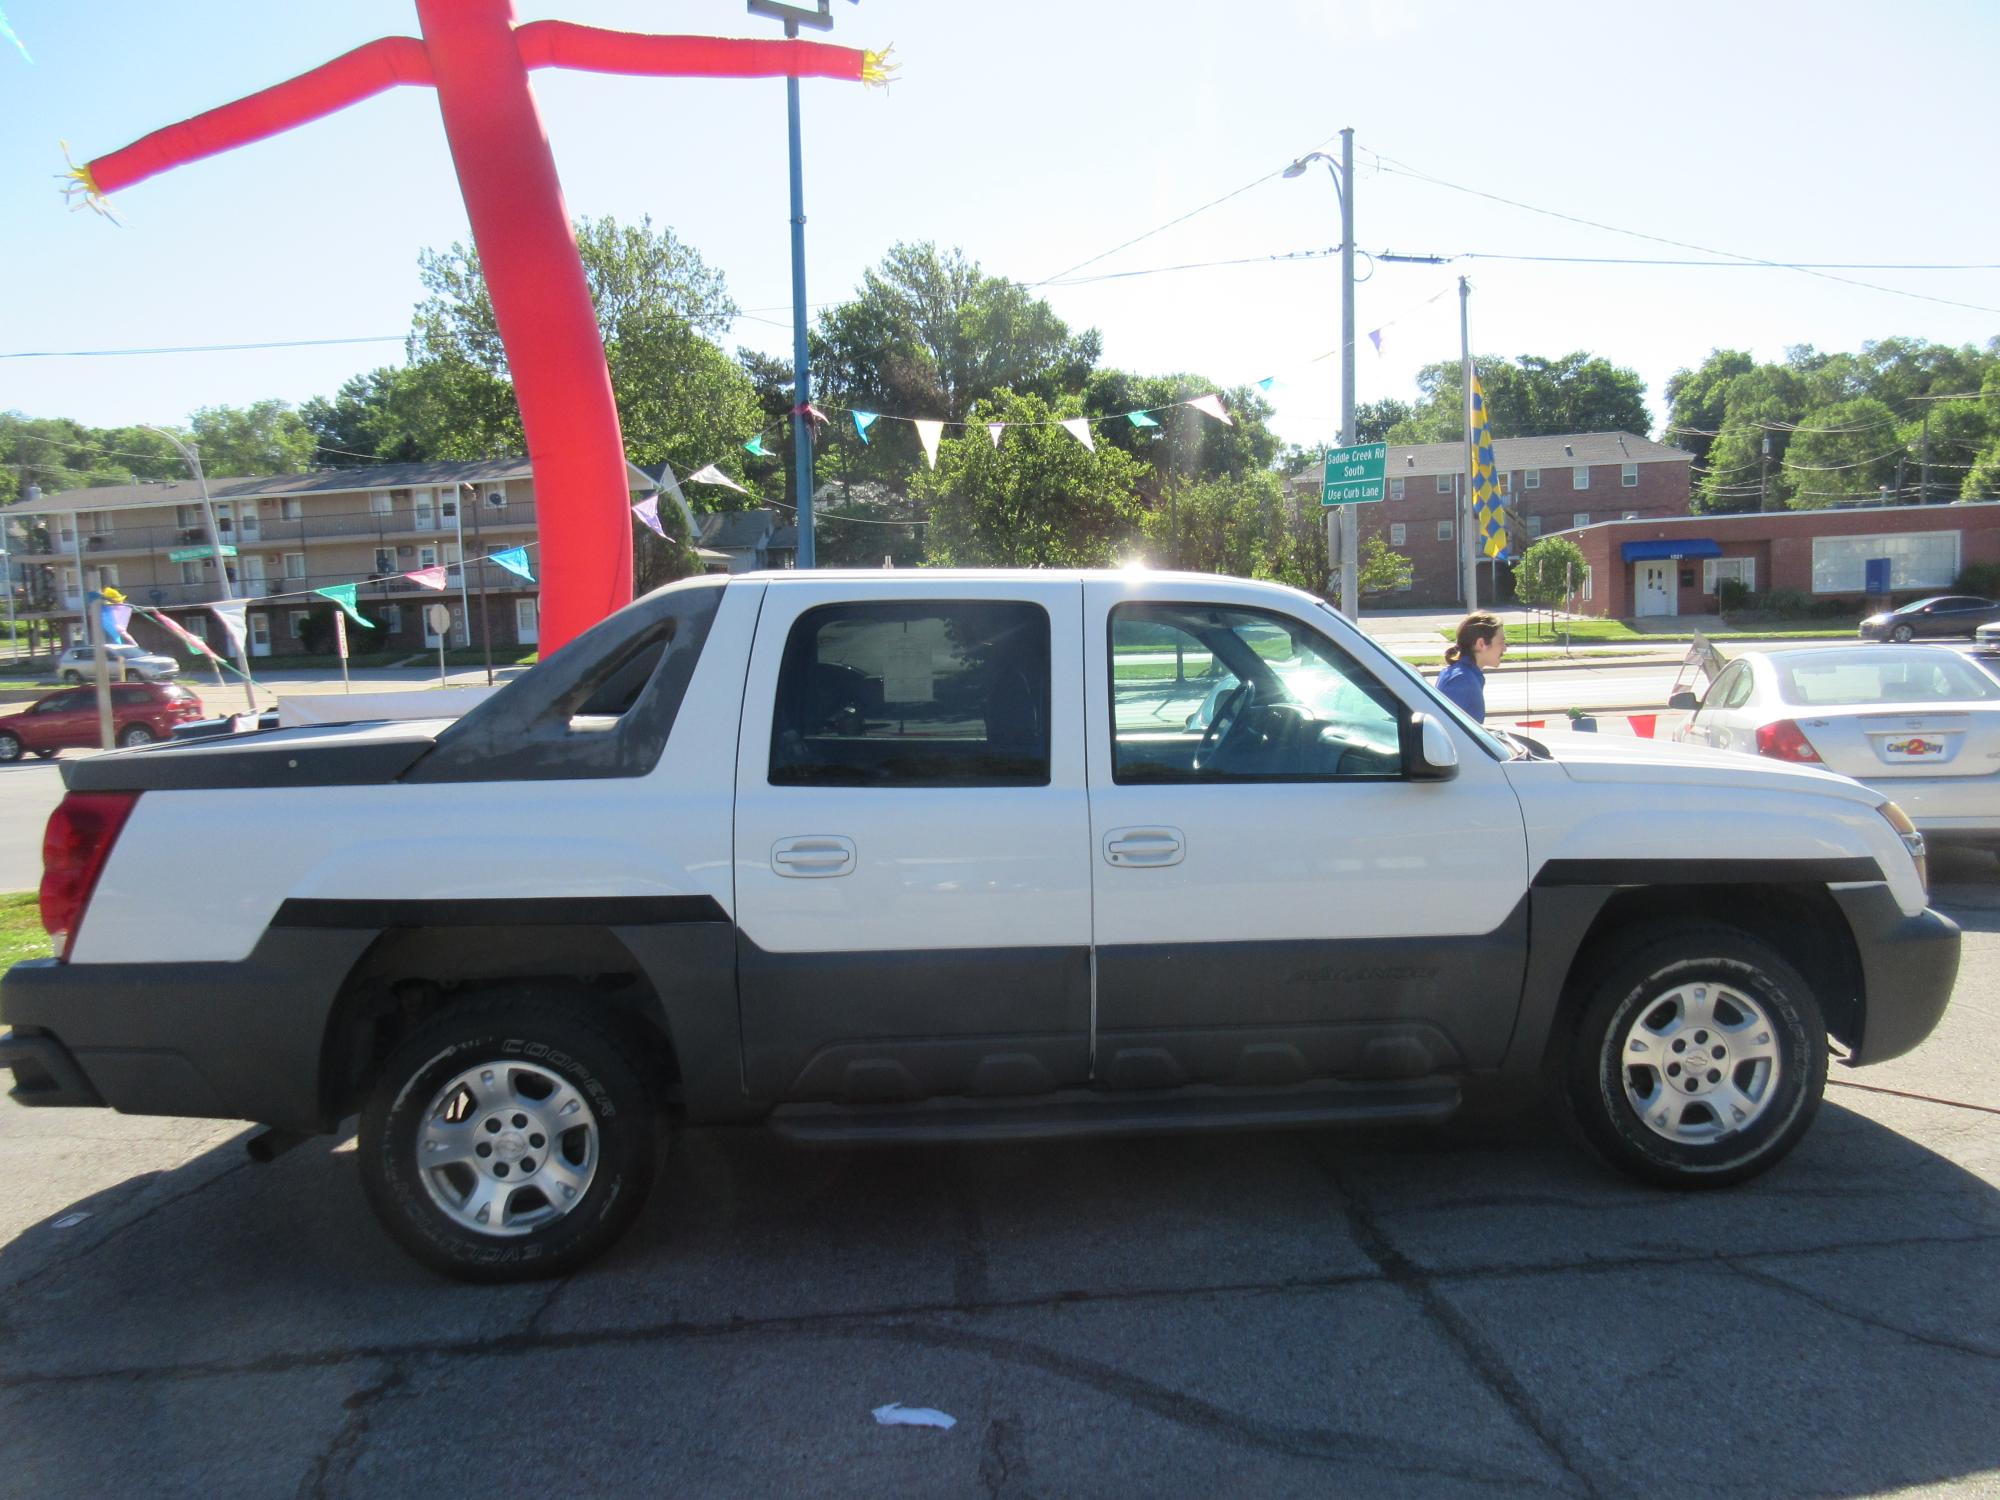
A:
(908, 677)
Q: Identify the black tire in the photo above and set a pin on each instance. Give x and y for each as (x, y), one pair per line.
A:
(45, 755)
(71, 678)
(10, 746)
(588, 1053)
(1602, 1085)
(132, 736)
(1901, 634)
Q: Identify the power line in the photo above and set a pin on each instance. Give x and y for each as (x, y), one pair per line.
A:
(373, 338)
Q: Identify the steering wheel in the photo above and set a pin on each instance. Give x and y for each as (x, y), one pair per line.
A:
(1222, 725)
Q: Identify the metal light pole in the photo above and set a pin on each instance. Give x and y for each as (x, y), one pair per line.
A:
(1468, 554)
(193, 459)
(1343, 522)
(819, 19)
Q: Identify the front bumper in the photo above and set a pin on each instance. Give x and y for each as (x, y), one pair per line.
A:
(1908, 966)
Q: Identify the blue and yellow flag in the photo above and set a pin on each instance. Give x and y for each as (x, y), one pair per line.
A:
(1489, 511)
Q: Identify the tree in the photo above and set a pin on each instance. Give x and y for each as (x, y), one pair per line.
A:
(1695, 404)
(266, 437)
(1186, 445)
(1840, 453)
(1217, 525)
(1527, 397)
(1549, 572)
(1040, 499)
(1375, 420)
(1381, 570)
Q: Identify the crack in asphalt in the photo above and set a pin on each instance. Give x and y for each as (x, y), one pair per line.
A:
(525, 1342)
(328, 1473)
(969, 1283)
(1836, 1309)
(1479, 1355)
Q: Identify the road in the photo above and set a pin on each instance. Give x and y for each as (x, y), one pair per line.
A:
(1481, 1310)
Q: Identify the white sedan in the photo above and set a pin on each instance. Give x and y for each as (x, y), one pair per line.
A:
(1919, 724)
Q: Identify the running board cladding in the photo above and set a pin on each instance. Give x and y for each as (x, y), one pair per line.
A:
(1073, 1113)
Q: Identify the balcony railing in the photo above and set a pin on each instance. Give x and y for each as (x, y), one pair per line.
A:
(273, 533)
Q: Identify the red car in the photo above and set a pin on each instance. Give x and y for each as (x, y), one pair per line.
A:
(141, 712)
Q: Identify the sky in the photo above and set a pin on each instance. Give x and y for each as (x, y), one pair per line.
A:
(1036, 136)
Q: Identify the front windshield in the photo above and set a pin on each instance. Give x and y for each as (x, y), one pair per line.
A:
(1494, 743)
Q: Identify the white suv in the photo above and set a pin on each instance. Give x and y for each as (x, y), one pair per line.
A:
(127, 664)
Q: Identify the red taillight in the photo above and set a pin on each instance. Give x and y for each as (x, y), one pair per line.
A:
(1784, 740)
(81, 832)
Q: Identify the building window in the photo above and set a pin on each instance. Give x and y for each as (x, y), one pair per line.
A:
(292, 508)
(295, 565)
(1742, 569)
(385, 559)
(1447, 484)
(1628, 475)
(191, 572)
(1531, 479)
(1917, 560)
(1396, 489)
(1505, 482)
(381, 502)
(1580, 518)
(392, 618)
(186, 517)
(196, 625)
(1534, 525)
(922, 693)
(448, 504)
(1586, 580)
(427, 557)
(1403, 586)
(1397, 532)
(1579, 477)
(295, 622)
(1444, 531)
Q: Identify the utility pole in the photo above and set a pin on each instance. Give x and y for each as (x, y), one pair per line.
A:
(1924, 485)
(1343, 526)
(820, 19)
(1764, 477)
(479, 541)
(192, 456)
(1468, 559)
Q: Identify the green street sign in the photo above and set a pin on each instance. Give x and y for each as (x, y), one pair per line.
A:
(1354, 475)
(196, 554)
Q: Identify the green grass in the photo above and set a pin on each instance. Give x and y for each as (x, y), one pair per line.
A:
(471, 656)
(21, 934)
(1594, 630)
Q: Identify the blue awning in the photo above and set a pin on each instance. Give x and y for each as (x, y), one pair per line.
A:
(1649, 551)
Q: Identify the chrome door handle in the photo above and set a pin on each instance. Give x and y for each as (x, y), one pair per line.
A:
(815, 854)
(1144, 846)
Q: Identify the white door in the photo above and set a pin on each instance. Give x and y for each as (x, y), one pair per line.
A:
(251, 571)
(527, 624)
(260, 635)
(1655, 591)
(1275, 900)
(423, 515)
(912, 879)
(252, 526)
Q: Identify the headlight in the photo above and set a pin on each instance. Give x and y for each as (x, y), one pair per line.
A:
(1912, 841)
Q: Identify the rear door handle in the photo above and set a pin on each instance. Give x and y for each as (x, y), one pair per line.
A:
(813, 855)
(1144, 846)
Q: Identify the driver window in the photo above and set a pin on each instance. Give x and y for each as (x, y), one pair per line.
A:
(1207, 694)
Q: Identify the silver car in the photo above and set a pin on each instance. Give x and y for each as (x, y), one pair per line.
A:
(1920, 724)
(127, 664)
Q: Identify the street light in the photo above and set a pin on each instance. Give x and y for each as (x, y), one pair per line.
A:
(820, 18)
(193, 460)
(1342, 174)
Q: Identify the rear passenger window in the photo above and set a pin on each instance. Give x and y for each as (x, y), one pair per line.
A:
(916, 693)
(130, 697)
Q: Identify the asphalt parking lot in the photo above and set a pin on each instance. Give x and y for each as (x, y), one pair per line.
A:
(1478, 1310)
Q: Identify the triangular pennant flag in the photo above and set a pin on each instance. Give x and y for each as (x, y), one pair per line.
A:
(193, 642)
(929, 432)
(231, 616)
(863, 420)
(713, 475)
(994, 429)
(430, 578)
(1212, 406)
(756, 446)
(7, 32)
(1079, 428)
(120, 617)
(1375, 338)
(1266, 383)
(648, 510)
(1140, 419)
(514, 560)
(343, 595)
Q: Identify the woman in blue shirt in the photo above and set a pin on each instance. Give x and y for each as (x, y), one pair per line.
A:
(1482, 641)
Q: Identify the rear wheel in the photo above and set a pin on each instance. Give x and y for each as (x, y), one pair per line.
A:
(71, 676)
(508, 1139)
(132, 736)
(1699, 1060)
(1901, 633)
(10, 745)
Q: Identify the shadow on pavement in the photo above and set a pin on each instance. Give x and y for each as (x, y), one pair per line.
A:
(1477, 1308)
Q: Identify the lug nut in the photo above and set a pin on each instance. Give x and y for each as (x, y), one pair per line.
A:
(493, 1126)
(539, 1141)
(500, 1167)
(484, 1148)
(520, 1121)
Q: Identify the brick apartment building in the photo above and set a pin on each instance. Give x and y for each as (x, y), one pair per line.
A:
(1552, 484)
(1669, 566)
(292, 533)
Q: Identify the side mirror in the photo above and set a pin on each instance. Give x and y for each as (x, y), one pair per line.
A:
(1435, 755)
(1684, 700)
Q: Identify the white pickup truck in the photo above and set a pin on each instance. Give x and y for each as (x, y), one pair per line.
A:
(952, 856)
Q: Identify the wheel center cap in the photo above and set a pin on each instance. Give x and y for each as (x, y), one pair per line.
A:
(510, 1147)
(1696, 1061)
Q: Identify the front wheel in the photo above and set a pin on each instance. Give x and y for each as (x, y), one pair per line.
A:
(10, 745)
(71, 677)
(1901, 634)
(1698, 1061)
(508, 1139)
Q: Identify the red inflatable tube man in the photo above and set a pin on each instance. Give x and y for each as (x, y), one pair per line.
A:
(478, 60)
